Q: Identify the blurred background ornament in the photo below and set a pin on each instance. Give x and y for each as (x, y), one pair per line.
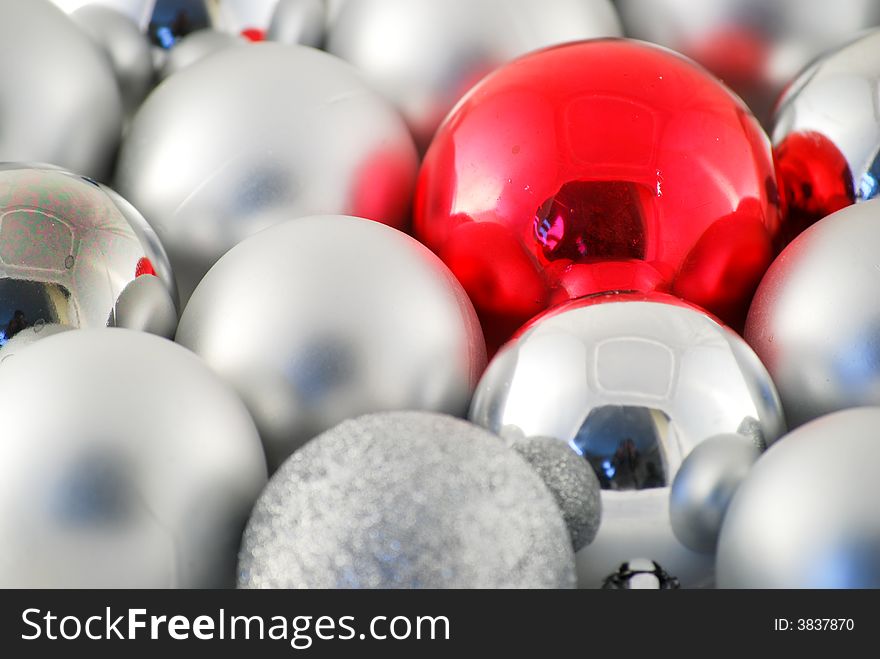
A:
(298, 22)
(196, 46)
(571, 481)
(640, 574)
(815, 317)
(806, 515)
(125, 45)
(62, 109)
(105, 483)
(222, 149)
(406, 500)
(349, 317)
(704, 486)
(661, 179)
(827, 131)
(138, 11)
(70, 253)
(171, 20)
(633, 384)
(755, 46)
(424, 55)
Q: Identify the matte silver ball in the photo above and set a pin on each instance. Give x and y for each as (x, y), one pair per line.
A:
(195, 47)
(806, 516)
(814, 319)
(298, 21)
(406, 500)
(424, 55)
(249, 135)
(126, 47)
(704, 486)
(125, 463)
(73, 252)
(59, 101)
(755, 46)
(633, 384)
(323, 318)
(571, 480)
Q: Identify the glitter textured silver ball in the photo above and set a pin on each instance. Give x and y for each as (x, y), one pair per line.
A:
(348, 317)
(72, 252)
(59, 101)
(298, 21)
(571, 480)
(406, 500)
(125, 463)
(126, 47)
(424, 55)
(255, 134)
(814, 319)
(633, 384)
(704, 486)
(806, 515)
(197, 46)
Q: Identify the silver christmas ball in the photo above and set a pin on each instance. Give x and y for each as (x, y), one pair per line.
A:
(813, 321)
(571, 481)
(806, 515)
(704, 486)
(126, 47)
(250, 135)
(197, 46)
(298, 21)
(406, 500)
(755, 46)
(59, 101)
(347, 316)
(633, 384)
(107, 479)
(424, 55)
(73, 252)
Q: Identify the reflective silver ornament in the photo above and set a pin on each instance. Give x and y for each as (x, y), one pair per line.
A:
(106, 480)
(704, 486)
(225, 148)
(806, 515)
(125, 45)
(298, 21)
(814, 319)
(571, 481)
(406, 500)
(424, 55)
(59, 101)
(755, 46)
(197, 46)
(322, 318)
(633, 385)
(72, 253)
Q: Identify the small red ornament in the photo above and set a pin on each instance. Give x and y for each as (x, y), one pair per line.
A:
(253, 34)
(596, 166)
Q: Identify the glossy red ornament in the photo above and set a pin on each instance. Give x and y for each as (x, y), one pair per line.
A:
(596, 166)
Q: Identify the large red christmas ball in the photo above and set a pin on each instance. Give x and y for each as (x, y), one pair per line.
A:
(597, 166)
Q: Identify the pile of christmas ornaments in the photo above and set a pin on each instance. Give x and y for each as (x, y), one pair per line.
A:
(411, 293)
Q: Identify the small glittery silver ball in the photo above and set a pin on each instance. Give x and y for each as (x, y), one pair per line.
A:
(572, 482)
(406, 500)
(704, 486)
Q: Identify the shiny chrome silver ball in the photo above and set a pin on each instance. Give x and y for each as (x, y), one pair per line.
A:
(249, 135)
(633, 384)
(406, 500)
(814, 319)
(323, 318)
(59, 102)
(424, 55)
(73, 253)
(125, 463)
(704, 486)
(298, 21)
(806, 515)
